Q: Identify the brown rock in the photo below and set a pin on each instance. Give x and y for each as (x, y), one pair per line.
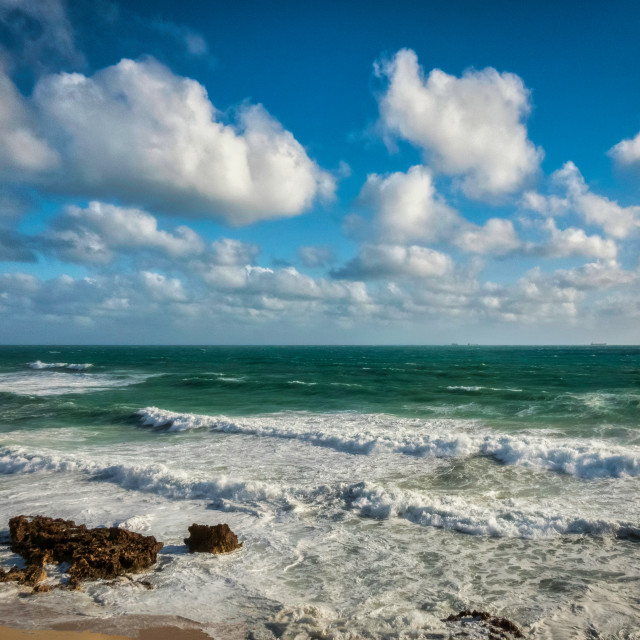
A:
(41, 588)
(90, 553)
(213, 539)
(13, 575)
(29, 576)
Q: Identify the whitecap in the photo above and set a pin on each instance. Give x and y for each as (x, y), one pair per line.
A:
(53, 383)
(363, 434)
(498, 519)
(505, 518)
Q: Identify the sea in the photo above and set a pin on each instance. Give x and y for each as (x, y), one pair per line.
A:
(376, 490)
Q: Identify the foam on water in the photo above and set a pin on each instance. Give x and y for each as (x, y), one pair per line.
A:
(52, 383)
(495, 517)
(59, 365)
(155, 478)
(508, 519)
(364, 434)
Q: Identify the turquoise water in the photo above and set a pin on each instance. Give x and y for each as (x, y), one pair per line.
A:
(578, 389)
(504, 478)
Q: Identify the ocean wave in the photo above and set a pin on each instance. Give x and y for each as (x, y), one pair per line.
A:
(506, 518)
(53, 383)
(306, 384)
(362, 434)
(269, 427)
(59, 365)
(455, 514)
(223, 493)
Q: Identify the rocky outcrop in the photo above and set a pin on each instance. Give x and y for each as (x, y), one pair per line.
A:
(91, 554)
(212, 539)
(497, 628)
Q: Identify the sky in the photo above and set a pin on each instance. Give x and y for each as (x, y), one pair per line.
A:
(319, 172)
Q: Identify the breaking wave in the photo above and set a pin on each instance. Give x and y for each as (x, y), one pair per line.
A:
(454, 513)
(363, 434)
(59, 365)
(53, 383)
(498, 518)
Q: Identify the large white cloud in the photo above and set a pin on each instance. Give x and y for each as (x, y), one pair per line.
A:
(140, 133)
(470, 126)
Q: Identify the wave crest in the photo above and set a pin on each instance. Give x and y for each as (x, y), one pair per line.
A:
(428, 439)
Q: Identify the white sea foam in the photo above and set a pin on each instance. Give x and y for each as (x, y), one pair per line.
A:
(498, 518)
(59, 365)
(52, 383)
(46, 365)
(490, 517)
(306, 384)
(363, 434)
(222, 492)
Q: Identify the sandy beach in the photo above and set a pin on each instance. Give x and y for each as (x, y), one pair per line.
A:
(152, 633)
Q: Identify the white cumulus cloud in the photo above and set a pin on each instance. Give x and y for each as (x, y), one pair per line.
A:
(97, 232)
(564, 243)
(472, 126)
(385, 260)
(496, 237)
(138, 132)
(408, 209)
(616, 220)
(627, 151)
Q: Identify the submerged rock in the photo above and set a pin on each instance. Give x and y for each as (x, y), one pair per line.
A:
(496, 627)
(90, 553)
(212, 539)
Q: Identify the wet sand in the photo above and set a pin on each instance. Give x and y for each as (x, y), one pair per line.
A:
(153, 633)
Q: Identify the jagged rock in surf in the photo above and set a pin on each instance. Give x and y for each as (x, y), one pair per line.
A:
(29, 576)
(90, 553)
(496, 627)
(212, 539)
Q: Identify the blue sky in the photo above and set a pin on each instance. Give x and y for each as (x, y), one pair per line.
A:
(319, 172)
